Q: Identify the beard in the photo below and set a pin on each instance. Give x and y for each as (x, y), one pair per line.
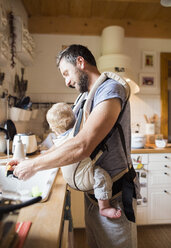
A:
(83, 81)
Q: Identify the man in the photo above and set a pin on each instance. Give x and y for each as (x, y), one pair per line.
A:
(78, 67)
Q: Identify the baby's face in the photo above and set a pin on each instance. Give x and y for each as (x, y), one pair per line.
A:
(54, 129)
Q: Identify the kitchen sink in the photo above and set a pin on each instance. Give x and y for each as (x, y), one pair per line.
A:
(15, 189)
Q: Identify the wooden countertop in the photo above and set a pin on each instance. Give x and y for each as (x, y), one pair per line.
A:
(151, 148)
(46, 218)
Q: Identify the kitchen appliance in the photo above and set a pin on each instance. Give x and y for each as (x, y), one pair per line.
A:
(138, 140)
(7, 133)
(3, 140)
(29, 140)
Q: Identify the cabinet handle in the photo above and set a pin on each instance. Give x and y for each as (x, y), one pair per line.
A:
(165, 173)
(166, 156)
(165, 166)
(165, 191)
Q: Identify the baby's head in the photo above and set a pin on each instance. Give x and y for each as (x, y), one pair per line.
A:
(60, 117)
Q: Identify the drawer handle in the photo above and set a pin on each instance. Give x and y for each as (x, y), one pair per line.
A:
(165, 166)
(166, 156)
(165, 191)
(165, 173)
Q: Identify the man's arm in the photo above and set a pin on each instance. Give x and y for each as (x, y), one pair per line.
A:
(97, 126)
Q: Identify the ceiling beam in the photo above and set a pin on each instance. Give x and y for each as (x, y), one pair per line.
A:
(94, 26)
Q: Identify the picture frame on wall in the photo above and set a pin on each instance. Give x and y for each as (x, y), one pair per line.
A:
(149, 60)
(148, 83)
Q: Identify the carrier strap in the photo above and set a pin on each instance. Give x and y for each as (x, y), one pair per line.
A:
(102, 145)
(79, 119)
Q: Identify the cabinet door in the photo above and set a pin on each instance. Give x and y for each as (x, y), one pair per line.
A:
(157, 178)
(141, 218)
(159, 207)
(77, 208)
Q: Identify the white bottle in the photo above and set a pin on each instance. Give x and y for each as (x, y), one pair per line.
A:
(19, 150)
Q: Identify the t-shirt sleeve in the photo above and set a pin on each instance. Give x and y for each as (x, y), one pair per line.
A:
(108, 90)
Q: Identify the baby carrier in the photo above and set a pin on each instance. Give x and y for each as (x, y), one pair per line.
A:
(80, 175)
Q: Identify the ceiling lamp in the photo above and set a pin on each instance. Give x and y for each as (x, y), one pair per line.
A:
(113, 59)
(165, 3)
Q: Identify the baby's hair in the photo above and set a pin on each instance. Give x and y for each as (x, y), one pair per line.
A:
(60, 117)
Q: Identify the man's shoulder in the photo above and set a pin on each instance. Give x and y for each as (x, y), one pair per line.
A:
(110, 88)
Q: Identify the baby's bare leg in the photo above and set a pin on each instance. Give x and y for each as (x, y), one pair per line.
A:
(106, 210)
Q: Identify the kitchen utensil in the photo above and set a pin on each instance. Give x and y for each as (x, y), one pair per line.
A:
(17, 84)
(10, 127)
(29, 140)
(2, 76)
(138, 140)
(146, 118)
(24, 101)
(12, 100)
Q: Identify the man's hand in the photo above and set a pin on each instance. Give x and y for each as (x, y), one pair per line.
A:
(22, 169)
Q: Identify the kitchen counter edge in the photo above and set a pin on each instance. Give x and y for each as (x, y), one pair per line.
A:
(46, 217)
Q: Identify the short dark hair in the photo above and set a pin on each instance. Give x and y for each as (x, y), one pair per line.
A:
(73, 51)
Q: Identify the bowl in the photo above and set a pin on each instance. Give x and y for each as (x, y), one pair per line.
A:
(138, 140)
(161, 143)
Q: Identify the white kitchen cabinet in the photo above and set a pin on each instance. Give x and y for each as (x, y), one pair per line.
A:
(159, 209)
(159, 188)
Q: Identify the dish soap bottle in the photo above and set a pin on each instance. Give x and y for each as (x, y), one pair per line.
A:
(19, 150)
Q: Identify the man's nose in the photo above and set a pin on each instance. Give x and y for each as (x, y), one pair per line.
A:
(67, 82)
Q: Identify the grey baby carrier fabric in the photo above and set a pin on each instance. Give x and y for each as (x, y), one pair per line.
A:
(80, 175)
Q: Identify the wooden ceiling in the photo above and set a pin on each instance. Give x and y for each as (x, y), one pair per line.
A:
(139, 18)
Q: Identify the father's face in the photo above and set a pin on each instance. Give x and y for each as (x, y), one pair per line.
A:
(74, 77)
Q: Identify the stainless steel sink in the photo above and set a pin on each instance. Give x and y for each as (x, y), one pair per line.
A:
(13, 188)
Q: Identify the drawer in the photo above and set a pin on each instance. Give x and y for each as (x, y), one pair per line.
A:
(137, 158)
(165, 157)
(159, 179)
(160, 166)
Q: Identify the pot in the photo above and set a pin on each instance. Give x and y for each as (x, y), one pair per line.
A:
(138, 140)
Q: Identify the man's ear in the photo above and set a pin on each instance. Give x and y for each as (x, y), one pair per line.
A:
(80, 62)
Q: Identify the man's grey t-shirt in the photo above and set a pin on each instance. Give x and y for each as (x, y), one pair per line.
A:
(114, 160)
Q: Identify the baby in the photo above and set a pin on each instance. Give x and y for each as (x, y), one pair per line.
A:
(61, 120)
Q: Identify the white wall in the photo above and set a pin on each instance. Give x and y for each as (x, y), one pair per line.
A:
(46, 83)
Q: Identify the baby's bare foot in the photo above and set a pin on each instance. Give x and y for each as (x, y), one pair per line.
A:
(111, 213)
